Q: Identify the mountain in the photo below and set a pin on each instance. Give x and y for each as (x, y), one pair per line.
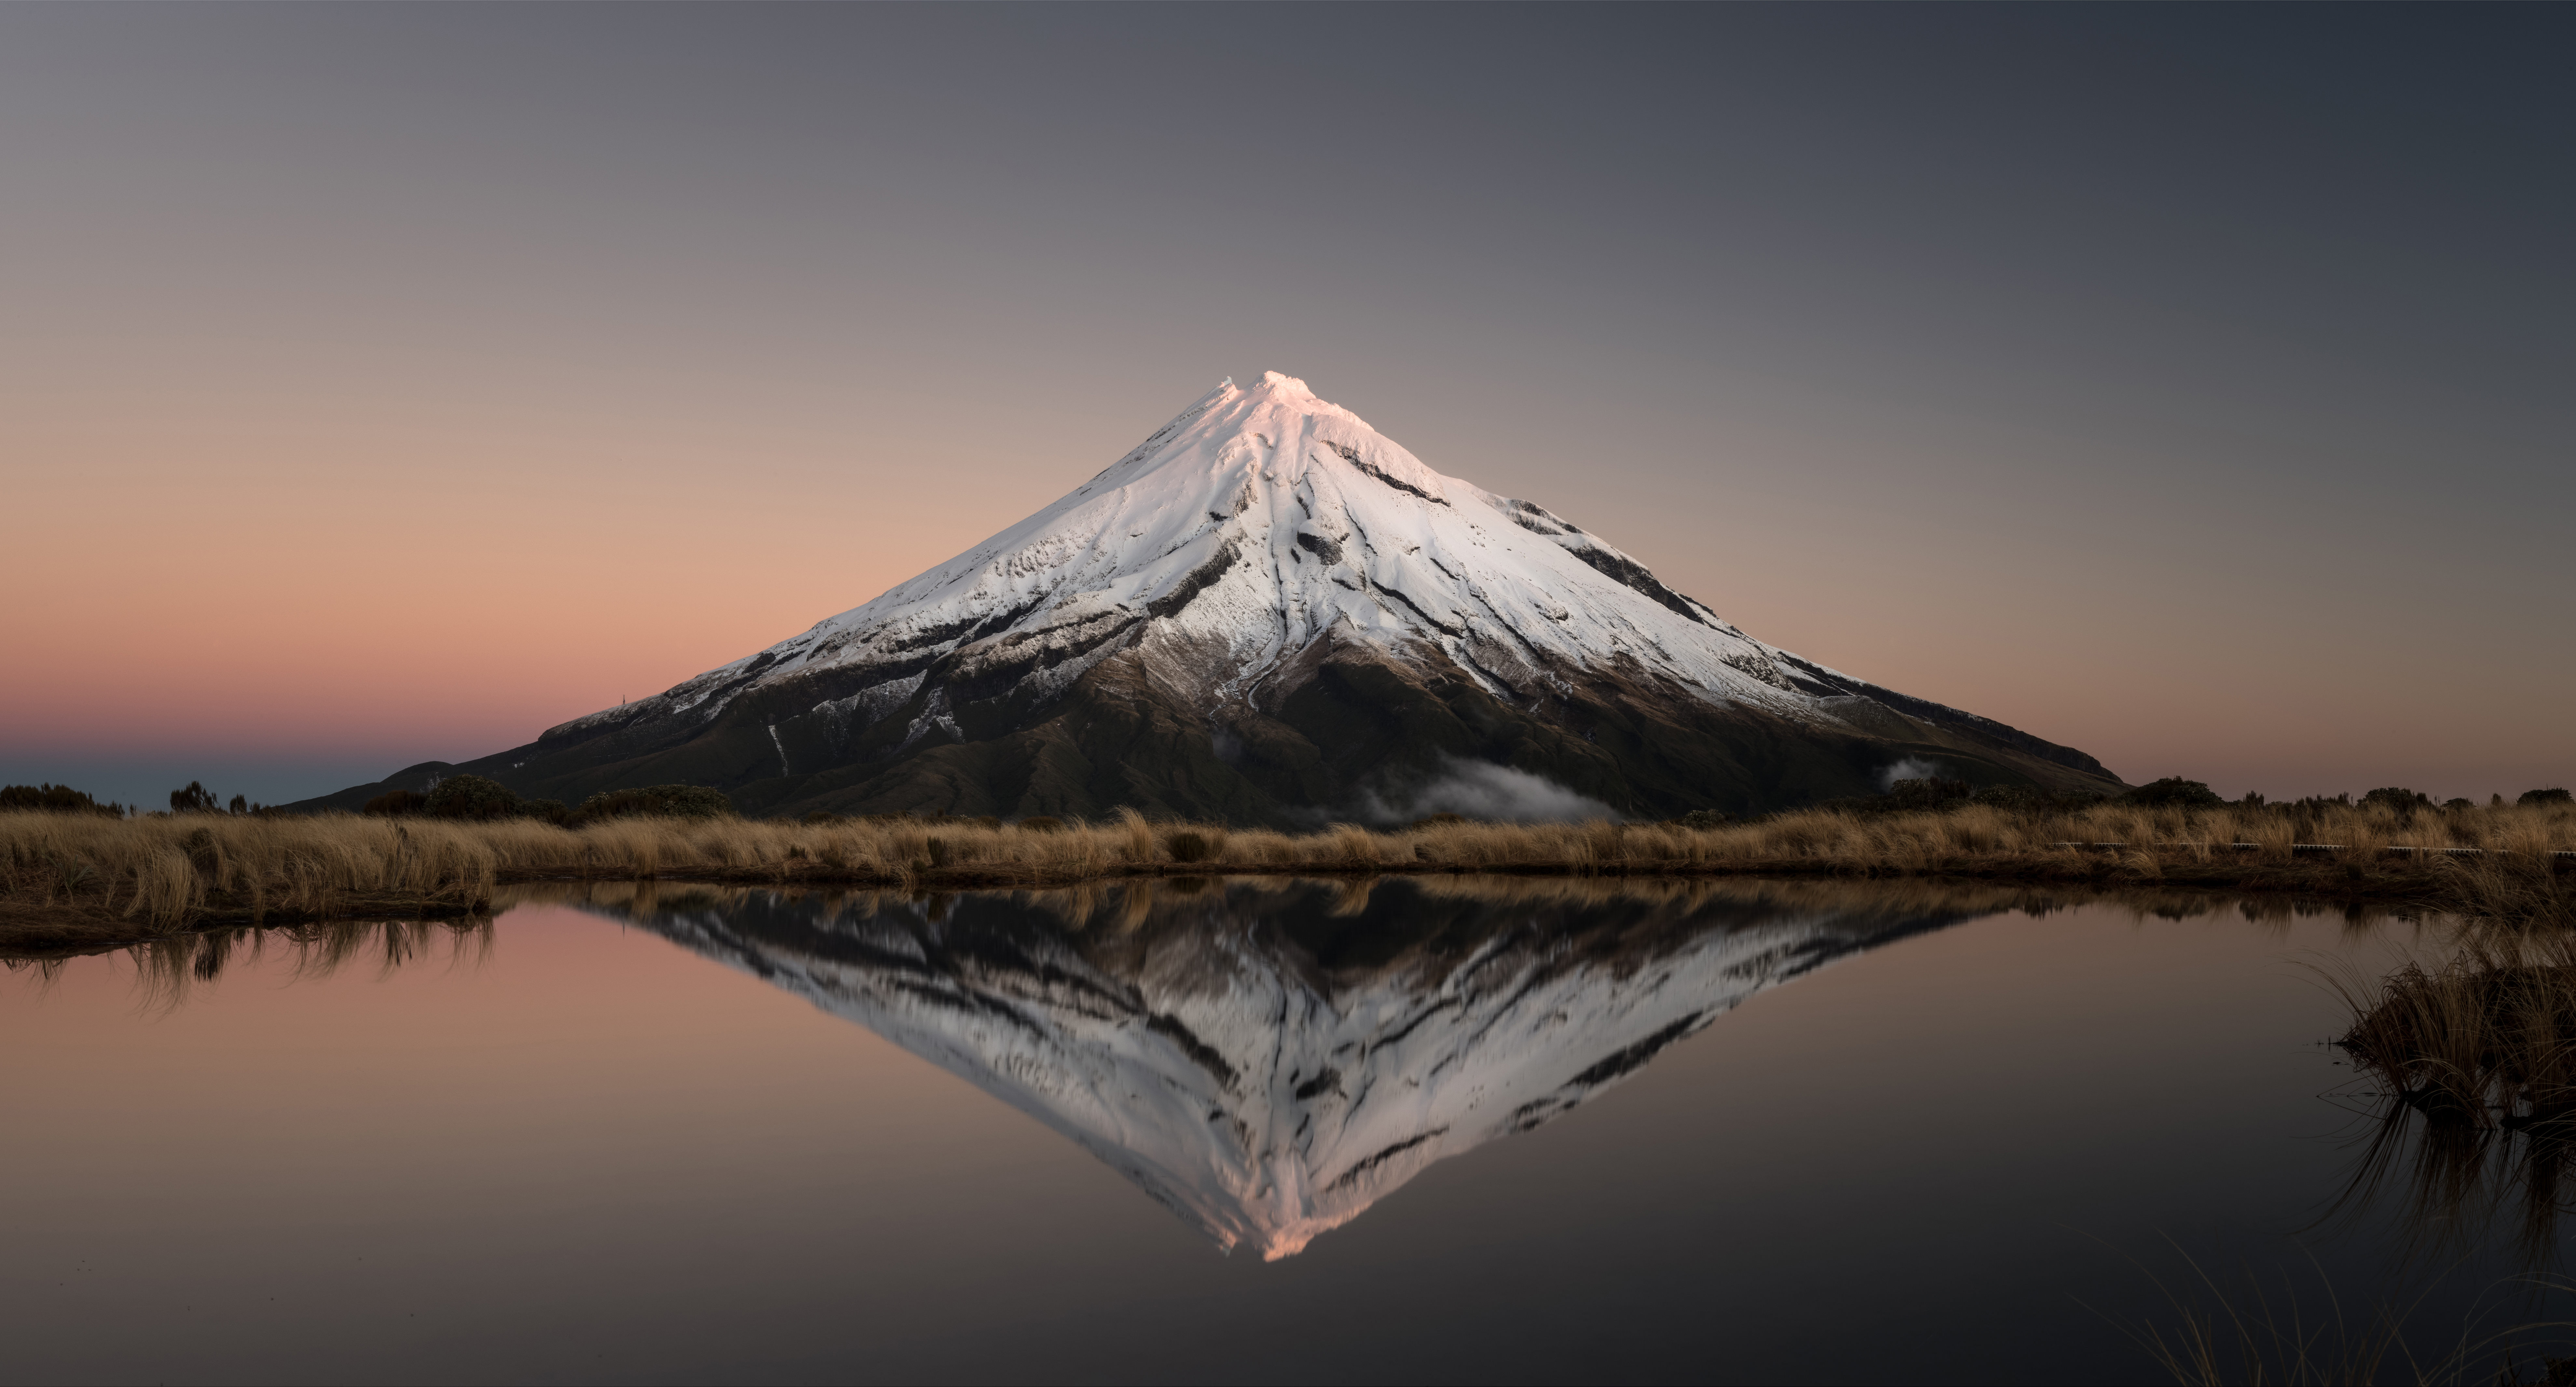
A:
(1270, 613)
(1268, 1060)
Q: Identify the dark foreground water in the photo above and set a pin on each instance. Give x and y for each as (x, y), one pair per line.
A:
(1461, 1131)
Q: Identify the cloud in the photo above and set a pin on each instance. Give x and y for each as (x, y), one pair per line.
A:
(1911, 768)
(1480, 790)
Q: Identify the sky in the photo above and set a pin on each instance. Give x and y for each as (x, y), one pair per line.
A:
(2189, 385)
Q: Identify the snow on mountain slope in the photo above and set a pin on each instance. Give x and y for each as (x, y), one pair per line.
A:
(1261, 1097)
(1268, 613)
(1252, 525)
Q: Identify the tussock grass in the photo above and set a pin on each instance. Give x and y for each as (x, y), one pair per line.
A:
(2471, 1056)
(159, 874)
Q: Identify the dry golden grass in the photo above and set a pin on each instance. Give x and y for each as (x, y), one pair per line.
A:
(162, 873)
(2473, 1056)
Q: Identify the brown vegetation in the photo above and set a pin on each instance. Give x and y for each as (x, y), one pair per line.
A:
(86, 876)
(2472, 1058)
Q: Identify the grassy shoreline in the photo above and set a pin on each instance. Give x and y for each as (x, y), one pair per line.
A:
(68, 879)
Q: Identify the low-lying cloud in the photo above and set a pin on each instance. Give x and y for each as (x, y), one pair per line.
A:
(1480, 790)
(1911, 768)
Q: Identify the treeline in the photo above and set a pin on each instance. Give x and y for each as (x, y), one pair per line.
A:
(56, 799)
(475, 799)
(197, 799)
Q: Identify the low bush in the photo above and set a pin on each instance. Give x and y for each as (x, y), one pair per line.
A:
(196, 799)
(397, 804)
(2399, 798)
(546, 810)
(471, 797)
(2174, 792)
(1932, 792)
(1187, 846)
(655, 801)
(2549, 796)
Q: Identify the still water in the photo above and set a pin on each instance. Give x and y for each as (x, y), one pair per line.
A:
(1246, 1131)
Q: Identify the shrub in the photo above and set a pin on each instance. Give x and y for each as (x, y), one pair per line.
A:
(2174, 792)
(2396, 797)
(396, 804)
(660, 801)
(196, 799)
(1186, 846)
(56, 799)
(2018, 799)
(2549, 796)
(471, 797)
(1932, 793)
(549, 810)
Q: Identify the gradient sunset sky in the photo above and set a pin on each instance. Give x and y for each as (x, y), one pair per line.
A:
(2194, 385)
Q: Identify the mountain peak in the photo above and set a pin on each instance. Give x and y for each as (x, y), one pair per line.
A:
(1270, 612)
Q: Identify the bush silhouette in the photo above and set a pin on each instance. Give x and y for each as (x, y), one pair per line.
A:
(1187, 847)
(551, 811)
(663, 801)
(1932, 793)
(395, 804)
(2549, 796)
(2174, 791)
(2010, 798)
(55, 799)
(2397, 797)
(471, 797)
(196, 799)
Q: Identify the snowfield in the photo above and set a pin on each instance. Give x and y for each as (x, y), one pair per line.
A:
(1239, 534)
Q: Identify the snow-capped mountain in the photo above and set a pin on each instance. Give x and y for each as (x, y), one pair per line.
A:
(1268, 610)
(1215, 1051)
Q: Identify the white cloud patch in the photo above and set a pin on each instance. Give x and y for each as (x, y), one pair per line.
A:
(1911, 768)
(1480, 790)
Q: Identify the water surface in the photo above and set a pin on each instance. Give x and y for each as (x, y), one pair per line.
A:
(1259, 1131)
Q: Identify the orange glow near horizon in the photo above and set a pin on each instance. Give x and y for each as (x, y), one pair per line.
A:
(344, 411)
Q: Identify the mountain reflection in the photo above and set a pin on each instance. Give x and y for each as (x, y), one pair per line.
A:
(1268, 1058)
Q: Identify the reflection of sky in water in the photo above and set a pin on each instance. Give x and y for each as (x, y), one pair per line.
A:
(587, 1154)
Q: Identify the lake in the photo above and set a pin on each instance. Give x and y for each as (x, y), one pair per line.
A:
(1259, 1131)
